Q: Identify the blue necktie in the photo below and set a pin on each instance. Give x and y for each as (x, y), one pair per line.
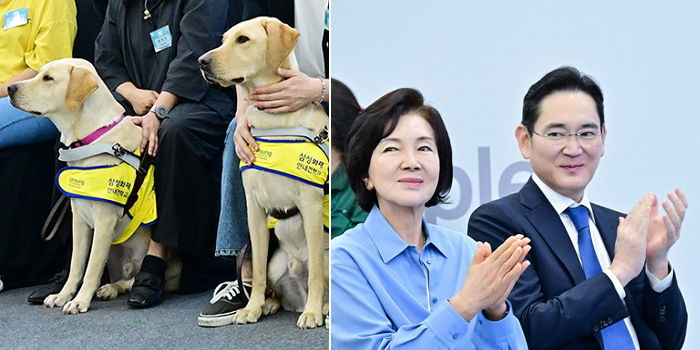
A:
(616, 335)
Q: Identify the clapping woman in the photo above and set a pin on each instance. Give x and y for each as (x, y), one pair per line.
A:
(397, 280)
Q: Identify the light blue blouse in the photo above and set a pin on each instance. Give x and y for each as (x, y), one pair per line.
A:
(386, 295)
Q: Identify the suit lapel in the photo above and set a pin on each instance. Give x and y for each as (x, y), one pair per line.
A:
(548, 224)
(607, 226)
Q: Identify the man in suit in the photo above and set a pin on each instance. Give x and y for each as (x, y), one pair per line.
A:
(598, 280)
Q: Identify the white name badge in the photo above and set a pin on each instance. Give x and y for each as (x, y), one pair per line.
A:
(161, 38)
(15, 18)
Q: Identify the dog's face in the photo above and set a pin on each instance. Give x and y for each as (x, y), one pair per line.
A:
(247, 49)
(60, 86)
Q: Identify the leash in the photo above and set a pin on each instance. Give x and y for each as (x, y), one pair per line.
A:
(61, 207)
(239, 264)
(145, 162)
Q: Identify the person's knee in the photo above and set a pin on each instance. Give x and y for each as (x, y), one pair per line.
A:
(172, 128)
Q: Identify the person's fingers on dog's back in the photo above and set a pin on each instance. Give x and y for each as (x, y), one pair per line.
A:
(242, 150)
(155, 144)
(152, 142)
(273, 96)
(144, 137)
(282, 109)
(268, 89)
(269, 105)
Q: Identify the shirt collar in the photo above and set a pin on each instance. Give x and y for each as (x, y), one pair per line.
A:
(559, 201)
(389, 243)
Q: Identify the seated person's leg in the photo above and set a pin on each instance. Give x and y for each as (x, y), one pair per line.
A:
(187, 180)
(19, 128)
(232, 235)
(232, 231)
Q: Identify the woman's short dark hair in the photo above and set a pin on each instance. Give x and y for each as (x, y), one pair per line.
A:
(377, 122)
(344, 110)
(561, 79)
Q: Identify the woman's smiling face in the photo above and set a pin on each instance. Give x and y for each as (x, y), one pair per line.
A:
(405, 166)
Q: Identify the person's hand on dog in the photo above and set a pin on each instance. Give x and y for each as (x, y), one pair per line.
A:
(242, 139)
(294, 92)
(149, 124)
(491, 277)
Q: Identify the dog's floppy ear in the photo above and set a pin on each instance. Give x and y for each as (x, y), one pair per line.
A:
(80, 86)
(281, 39)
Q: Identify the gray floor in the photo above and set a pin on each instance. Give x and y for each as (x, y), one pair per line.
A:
(171, 325)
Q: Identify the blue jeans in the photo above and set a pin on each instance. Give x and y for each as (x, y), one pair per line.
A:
(232, 233)
(19, 128)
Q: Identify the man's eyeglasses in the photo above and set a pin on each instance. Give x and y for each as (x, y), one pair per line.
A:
(587, 137)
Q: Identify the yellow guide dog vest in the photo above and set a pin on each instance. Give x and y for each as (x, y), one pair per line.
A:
(297, 159)
(112, 184)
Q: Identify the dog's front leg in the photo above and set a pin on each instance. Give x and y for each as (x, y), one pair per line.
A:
(81, 246)
(259, 241)
(311, 208)
(101, 242)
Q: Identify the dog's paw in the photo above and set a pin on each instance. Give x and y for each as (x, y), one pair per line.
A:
(107, 292)
(76, 306)
(248, 315)
(310, 319)
(56, 300)
(326, 308)
(270, 306)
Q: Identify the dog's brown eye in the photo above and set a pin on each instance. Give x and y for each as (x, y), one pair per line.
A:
(241, 39)
(47, 78)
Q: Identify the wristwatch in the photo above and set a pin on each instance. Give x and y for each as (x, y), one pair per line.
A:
(160, 111)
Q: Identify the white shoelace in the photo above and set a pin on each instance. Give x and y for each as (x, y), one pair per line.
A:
(229, 290)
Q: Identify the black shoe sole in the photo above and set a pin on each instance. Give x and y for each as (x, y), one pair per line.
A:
(146, 303)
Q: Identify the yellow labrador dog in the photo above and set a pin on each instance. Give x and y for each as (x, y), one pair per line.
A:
(70, 93)
(249, 56)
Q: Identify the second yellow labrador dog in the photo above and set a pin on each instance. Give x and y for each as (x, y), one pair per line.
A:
(249, 56)
(70, 93)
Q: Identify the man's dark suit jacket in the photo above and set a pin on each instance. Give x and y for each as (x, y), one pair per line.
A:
(557, 307)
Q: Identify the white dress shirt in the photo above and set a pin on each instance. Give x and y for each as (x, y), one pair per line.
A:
(560, 203)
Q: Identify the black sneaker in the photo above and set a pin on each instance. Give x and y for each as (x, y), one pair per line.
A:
(55, 285)
(148, 290)
(228, 298)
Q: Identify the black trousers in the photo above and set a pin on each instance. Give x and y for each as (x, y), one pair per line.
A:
(188, 178)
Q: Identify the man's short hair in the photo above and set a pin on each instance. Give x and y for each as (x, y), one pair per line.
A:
(377, 122)
(561, 79)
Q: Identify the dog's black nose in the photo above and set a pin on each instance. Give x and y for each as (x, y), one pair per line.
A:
(204, 61)
(12, 89)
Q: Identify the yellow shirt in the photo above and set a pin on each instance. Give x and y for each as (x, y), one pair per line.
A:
(47, 36)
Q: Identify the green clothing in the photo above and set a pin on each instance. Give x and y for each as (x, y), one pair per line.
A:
(345, 212)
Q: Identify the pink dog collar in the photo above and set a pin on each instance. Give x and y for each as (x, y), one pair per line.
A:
(96, 134)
